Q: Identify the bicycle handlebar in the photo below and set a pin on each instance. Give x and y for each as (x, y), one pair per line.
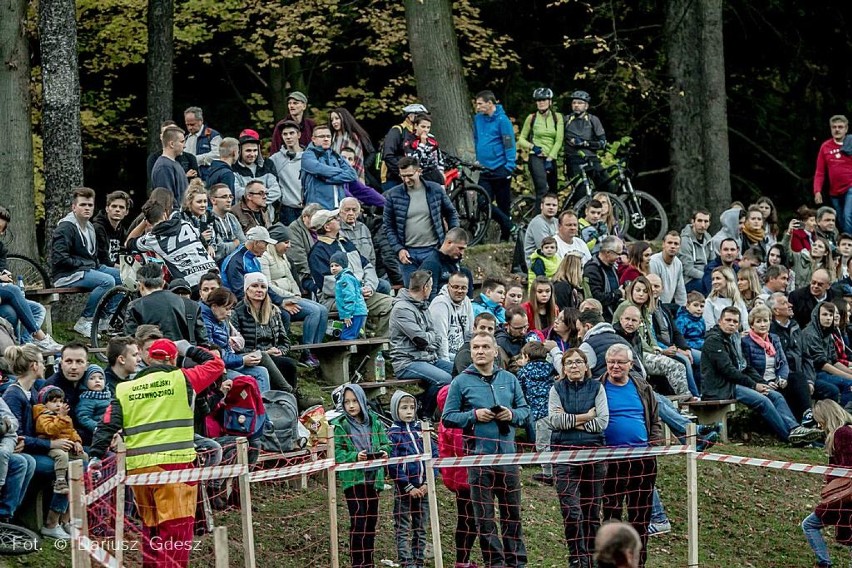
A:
(454, 161)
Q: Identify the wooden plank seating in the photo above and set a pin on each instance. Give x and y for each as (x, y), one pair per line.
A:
(335, 356)
(712, 412)
(49, 296)
(375, 390)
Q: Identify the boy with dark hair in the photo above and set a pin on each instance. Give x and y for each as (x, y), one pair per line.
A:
(424, 147)
(110, 228)
(593, 229)
(690, 320)
(122, 359)
(491, 299)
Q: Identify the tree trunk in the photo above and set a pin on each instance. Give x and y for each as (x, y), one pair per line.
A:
(699, 138)
(285, 77)
(441, 85)
(16, 144)
(161, 56)
(717, 165)
(63, 148)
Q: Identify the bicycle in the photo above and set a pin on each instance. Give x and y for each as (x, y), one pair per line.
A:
(471, 201)
(15, 540)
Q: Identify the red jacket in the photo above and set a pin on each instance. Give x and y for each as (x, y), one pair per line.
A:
(799, 239)
(451, 445)
(838, 167)
(628, 274)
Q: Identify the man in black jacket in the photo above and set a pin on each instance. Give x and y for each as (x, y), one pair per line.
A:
(177, 318)
(600, 274)
(725, 375)
(806, 298)
(800, 382)
(74, 257)
(110, 228)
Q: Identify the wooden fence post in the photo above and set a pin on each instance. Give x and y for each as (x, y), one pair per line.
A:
(220, 546)
(332, 504)
(79, 557)
(434, 521)
(120, 489)
(245, 505)
(692, 497)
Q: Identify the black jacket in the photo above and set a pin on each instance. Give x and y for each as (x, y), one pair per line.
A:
(792, 343)
(186, 160)
(110, 240)
(595, 274)
(719, 367)
(258, 336)
(803, 304)
(68, 253)
(817, 343)
(178, 318)
(661, 318)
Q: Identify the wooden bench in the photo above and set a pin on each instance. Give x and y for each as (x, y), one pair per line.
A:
(335, 356)
(377, 389)
(49, 296)
(713, 412)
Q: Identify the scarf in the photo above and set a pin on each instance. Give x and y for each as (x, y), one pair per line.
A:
(754, 235)
(766, 344)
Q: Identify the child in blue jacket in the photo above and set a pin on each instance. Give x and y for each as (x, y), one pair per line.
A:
(410, 504)
(690, 320)
(537, 376)
(93, 402)
(348, 297)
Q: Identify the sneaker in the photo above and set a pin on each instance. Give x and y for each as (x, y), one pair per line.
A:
(543, 479)
(808, 419)
(802, 435)
(659, 528)
(47, 344)
(706, 429)
(57, 533)
(60, 487)
(707, 442)
(311, 361)
(103, 325)
(84, 327)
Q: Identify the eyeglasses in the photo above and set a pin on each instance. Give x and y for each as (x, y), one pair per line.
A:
(618, 363)
(258, 193)
(519, 327)
(574, 363)
(458, 286)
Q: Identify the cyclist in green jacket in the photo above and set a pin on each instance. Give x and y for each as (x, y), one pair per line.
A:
(542, 135)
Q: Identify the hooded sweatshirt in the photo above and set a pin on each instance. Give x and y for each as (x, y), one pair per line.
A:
(817, 343)
(453, 323)
(730, 219)
(356, 435)
(695, 254)
(178, 243)
(412, 335)
(74, 250)
(110, 240)
(406, 439)
(494, 138)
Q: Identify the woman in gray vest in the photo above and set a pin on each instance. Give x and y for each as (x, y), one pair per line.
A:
(578, 414)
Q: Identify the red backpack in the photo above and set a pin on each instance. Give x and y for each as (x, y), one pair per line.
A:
(242, 411)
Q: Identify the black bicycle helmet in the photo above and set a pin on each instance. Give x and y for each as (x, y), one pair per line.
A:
(582, 96)
(542, 94)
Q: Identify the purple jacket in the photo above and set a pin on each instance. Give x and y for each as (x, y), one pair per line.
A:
(364, 193)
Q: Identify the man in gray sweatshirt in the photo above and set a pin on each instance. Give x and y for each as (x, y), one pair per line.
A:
(543, 225)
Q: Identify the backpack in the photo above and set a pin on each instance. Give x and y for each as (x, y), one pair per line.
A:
(243, 411)
(281, 433)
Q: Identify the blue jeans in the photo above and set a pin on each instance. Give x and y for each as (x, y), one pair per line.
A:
(383, 287)
(15, 308)
(676, 421)
(832, 387)
(435, 375)
(696, 368)
(812, 527)
(352, 332)
(19, 473)
(99, 281)
(417, 255)
(843, 206)
(260, 374)
(315, 316)
(771, 406)
(658, 512)
(44, 469)
(289, 214)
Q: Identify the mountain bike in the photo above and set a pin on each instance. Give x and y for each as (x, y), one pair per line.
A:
(471, 201)
(15, 540)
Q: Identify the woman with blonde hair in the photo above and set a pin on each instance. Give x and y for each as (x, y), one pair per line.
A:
(748, 283)
(569, 288)
(723, 293)
(835, 507)
(193, 210)
(608, 213)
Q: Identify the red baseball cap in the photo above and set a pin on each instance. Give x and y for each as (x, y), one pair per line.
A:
(249, 133)
(163, 349)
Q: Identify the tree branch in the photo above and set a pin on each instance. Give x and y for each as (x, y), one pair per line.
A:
(772, 158)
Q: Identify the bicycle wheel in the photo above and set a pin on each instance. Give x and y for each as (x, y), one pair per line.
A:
(107, 325)
(648, 218)
(522, 212)
(620, 212)
(15, 540)
(35, 277)
(474, 209)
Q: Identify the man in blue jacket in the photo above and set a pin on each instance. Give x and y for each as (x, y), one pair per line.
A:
(325, 173)
(488, 404)
(414, 216)
(494, 137)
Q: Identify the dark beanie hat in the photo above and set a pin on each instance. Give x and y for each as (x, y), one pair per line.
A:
(339, 258)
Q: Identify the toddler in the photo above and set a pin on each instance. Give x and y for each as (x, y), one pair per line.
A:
(410, 505)
(543, 262)
(347, 295)
(53, 423)
(359, 436)
(690, 320)
(537, 376)
(592, 228)
(94, 400)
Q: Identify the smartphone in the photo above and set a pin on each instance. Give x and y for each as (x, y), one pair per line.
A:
(375, 455)
(496, 409)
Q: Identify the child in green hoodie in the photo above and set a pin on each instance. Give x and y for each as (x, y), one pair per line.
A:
(360, 436)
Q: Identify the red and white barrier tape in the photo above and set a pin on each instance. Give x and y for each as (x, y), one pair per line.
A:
(186, 475)
(777, 464)
(380, 462)
(92, 549)
(291, 470)
(104, 488)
